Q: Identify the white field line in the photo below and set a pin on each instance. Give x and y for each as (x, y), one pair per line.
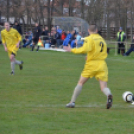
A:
(123, 59)
(46, 52)
(63, 106)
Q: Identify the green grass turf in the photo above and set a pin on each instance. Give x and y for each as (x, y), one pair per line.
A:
(33, 100)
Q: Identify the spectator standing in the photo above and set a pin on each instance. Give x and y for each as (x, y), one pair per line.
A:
(121, 36)
(18, 28)
(99, 32)
(36, 34)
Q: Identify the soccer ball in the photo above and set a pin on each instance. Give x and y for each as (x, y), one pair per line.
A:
(128, 96)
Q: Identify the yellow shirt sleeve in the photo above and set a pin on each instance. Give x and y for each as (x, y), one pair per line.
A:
(3, 38)
(87, 46)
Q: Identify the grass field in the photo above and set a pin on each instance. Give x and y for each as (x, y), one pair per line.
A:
(33, 100)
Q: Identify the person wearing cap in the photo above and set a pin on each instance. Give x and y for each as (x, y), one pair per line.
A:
(121, 36)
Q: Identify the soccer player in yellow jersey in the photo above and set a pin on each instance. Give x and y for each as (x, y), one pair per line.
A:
(95, 66)
(11, 39)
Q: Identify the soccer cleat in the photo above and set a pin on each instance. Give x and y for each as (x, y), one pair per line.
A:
(21, 65)
(12, 73)
(70, 105)
(109, 101)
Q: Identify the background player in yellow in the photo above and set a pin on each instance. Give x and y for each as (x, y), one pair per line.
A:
(95, 66)
(11, 40)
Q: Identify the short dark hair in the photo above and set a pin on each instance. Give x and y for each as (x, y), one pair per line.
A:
(16, 21)
(93, 28)
(7, 22)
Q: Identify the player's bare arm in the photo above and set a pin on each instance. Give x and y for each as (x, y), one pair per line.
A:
(17, 45)
(4, 44)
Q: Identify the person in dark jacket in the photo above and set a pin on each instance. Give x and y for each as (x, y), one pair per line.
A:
(52, 39)
(131, 49)
(45, 34)
(18, 28)
(36, 34)
(58, 38)
(72, 39)
(26, 37)
(99, 32)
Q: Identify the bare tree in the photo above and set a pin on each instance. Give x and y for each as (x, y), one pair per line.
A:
(7, 10)
(131, 18)
(104, 13)
(50, 7)
(82, 9)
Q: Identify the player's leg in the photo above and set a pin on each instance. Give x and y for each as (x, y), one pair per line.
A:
(107, 92)
(102, 76)
(33, 46)
(37, 48)
(122, 48)
(34, 43)
(129, 51)
(12, 61)
(20, 63)
(77, 91)
(119, 47)
(37, 45)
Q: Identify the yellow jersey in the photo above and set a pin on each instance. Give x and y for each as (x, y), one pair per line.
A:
(95, 47)
(10, 38)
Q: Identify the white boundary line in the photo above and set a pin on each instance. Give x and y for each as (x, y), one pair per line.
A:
(64, 106)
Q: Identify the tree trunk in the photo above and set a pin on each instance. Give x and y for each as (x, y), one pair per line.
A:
(82, 9)
(7, 10)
